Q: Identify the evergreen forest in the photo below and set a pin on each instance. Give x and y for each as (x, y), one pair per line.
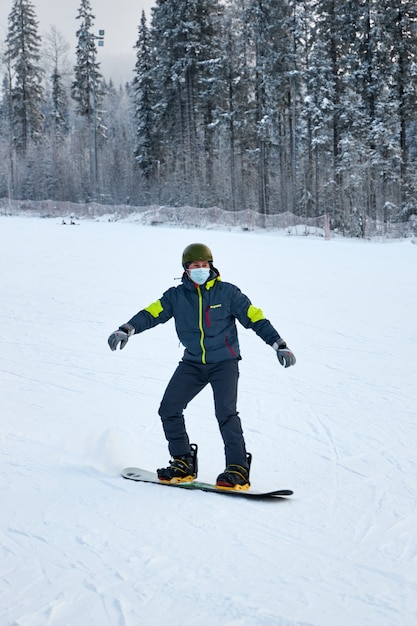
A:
(306, 107)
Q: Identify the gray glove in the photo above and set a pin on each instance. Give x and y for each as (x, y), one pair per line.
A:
(120, 336)
(284, 354)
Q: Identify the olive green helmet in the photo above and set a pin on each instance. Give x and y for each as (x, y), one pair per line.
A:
(196, 252)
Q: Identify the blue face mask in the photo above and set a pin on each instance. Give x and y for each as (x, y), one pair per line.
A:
(199, 275)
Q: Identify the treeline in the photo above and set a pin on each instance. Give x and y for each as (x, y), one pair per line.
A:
(308, 107)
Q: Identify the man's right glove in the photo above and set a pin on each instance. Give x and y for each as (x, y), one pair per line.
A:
(120, 336)
(284, 354)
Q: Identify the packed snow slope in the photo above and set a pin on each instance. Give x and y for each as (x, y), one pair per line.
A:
(80, 546)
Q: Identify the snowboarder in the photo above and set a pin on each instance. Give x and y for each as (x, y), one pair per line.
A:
(204, 309)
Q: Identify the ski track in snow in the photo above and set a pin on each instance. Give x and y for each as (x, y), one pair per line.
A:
(79, 545)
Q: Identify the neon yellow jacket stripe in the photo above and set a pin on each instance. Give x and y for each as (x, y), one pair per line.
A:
(200, 325)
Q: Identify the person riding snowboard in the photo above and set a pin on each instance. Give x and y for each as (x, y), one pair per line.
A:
(205, 310)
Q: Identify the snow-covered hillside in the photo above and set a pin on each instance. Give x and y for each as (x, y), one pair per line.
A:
(81, 546)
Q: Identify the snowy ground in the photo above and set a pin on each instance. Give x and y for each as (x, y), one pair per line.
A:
(81, 546)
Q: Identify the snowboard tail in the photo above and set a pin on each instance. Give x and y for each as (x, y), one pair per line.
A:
(141, 475)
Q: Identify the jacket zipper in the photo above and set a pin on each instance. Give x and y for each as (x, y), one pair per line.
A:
(200, 325)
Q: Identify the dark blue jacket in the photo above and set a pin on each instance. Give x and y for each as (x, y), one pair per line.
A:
(205, 318)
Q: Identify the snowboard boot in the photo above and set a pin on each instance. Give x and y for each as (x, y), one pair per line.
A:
(235, 476)
(182, 469)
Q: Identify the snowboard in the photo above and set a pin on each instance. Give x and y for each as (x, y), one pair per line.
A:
(141, 475)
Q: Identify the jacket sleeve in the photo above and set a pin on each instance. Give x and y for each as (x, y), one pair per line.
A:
(157, 312)
(252, 317)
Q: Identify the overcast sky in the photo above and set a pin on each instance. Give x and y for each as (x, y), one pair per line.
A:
(119, 18)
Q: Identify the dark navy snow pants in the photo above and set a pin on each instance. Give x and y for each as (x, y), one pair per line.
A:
(187, 381)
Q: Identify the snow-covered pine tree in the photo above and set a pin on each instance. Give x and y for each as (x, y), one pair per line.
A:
(7, 160)
(211, 92)
(274, 90)
(334, 24)
(59, 98)
(26, 92)
(236, 180)
(55, 53)
(372, 49)
(87, 89)
(143, 101)
(316, 117)
(119, 172)
(398, 32)
(185, 37)
(365, 164)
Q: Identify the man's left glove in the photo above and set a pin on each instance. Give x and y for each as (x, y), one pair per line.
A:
(121, 336)
(284, 354)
